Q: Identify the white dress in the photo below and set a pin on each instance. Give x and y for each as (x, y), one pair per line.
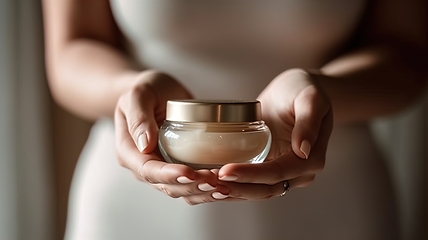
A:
(231, 50)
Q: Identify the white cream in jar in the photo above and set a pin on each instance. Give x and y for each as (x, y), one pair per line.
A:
(209, 134)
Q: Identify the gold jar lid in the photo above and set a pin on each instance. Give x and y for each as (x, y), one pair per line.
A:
(213, 111)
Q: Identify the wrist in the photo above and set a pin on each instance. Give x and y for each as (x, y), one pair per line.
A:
(155, 84)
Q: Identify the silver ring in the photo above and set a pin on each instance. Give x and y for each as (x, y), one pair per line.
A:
(286, 185)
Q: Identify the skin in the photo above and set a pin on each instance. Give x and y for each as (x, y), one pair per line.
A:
(91, 76)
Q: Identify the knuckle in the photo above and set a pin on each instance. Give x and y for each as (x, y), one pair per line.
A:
(147, 179)
(315, 96)
(160, 76)
(165, 190)
(138, 177)
(190, 202)
(312, 92)
(135, 92)
(293, 71)
(141, 171)
(195, 201)
(190, 191)
(162, 175)
(206, 200)
(135, 124)
(154, 73)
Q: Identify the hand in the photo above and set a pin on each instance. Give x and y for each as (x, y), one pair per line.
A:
(138, 115)
(300, 118)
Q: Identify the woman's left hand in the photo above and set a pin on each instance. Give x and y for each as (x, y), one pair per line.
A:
(300, 117)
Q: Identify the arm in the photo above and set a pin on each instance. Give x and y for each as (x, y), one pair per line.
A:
(388, 70)
(86, 68)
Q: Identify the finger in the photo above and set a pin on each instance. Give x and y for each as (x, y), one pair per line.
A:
(251, 191)
(138, 107)
(220, 194)
(263, 191)
(310, 108)
(205, 181)
(198, 199)
(287, 166)
(147, 167)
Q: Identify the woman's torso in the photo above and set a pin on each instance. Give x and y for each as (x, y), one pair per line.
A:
(233, 49)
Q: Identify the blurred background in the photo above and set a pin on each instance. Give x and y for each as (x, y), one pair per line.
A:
(40, 143)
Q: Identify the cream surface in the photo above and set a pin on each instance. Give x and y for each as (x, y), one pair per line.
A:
(200, 147)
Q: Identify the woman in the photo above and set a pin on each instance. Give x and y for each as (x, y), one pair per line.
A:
(302, 60)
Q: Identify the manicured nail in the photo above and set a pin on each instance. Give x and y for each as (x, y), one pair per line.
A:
(184, 180)
(205, 187)
(229, 178)
(218, 195)
(142, 142)
(305, 148)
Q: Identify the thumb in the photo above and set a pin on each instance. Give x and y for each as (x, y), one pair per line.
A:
(139, 111)
(310, 108)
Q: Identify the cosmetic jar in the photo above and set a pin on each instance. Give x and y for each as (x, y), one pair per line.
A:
(209, 134)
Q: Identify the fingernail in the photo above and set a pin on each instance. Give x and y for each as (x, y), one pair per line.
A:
(305, 148)
(184, 180)
(218, 195)
(142, 142)
(205, 187)
(229, 178)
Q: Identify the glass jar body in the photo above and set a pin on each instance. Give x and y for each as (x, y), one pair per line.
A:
(212, 145)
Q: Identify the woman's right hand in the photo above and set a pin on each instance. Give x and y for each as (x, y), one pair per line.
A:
(138, 115)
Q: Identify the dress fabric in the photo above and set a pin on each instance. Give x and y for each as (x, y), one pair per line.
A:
(232, 50)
